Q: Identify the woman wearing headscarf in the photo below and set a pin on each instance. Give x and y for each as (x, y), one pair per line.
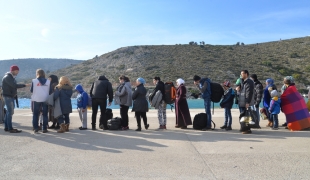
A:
(140, 104)
(294, 107)
(54, 81)
(267, 98)
(183, 117)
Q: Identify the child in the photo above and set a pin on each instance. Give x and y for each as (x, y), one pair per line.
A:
(274, 108)
(82, 101)
(227, 103)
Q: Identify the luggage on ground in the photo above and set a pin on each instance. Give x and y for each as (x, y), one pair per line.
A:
(200, 121)
(114, 123)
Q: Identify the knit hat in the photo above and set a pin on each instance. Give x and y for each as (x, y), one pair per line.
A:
(226, 83)
(14, 68)
(274, 93)
(141, 80)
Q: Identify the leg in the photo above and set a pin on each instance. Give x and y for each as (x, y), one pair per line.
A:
(103, 106)
(9, 102)
(226, 117)
(44, 114)
(67, 118)
(257, 113)
(164, 113)
(143, 115)
(84, 119)
(35, 116)
(80, 115)
(160, 114)
(229, 117)
(94, 114)
(275, 121)
(138, 118)
(61, 119)
(208, 112)
(124, 115)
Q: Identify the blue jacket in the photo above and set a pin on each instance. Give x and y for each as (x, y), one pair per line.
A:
(82, 98)
(228, 98)
(205, 88)
(275, 106)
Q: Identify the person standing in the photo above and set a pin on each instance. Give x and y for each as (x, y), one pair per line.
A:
(267, 98)
(64, 92)
(274, 108)
(9, 91)
(99, 91)
(258, 93)
(161, 113)
(246, 97)
(182, 114)
(205, 89)
(124, 93)
(82, 102)
(140, 104)
(40, 89)
(227, 103)
(54, 82)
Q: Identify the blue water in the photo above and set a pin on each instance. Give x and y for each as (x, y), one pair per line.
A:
(192, 103)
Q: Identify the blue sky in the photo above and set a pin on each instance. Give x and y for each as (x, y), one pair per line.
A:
(82, 29)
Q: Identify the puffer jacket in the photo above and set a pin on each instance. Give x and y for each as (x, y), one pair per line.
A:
(258, 92)
(246, 94)
(64, 94)
(228, 98)
(140, 103)
(9, 85)
(101, 88)
(82, 98)
(124, 93)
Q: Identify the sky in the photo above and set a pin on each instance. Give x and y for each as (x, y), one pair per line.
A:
(82, 29)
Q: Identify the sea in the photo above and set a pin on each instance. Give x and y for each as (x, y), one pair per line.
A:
(192, 103)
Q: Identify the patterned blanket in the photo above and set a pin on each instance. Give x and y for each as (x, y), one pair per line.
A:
(295, 109)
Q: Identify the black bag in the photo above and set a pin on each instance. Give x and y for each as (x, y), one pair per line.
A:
(200, 121)
(114, 123)
(217, 92)
(252, 116)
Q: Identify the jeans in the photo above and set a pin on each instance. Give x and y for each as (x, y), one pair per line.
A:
(64, 119)
(83, 117)
(103, 106)
(228, 118)
(275, 120)
(257, 113)
(162, 118)
(207, 103)
(124, 115)
(37, 107)
(9, 102)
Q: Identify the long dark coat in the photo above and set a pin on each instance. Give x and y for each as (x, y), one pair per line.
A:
(64, 94)
(183, 117)
(140, 103)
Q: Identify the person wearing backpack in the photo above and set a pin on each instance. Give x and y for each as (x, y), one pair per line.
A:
(82, 102)
(227, 103)
(204, 86)
(162, 118)
(258, 93)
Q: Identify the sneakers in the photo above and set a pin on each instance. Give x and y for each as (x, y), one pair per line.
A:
(228, 128)
(139, 129)
(247, 132)
(223, 127)
(124, 128)
(161, 127)
(81, 128)
(45, 131)
(274, 128)
(147, 126)
(6, 129)
(284, 125)
(36, 131)
(15, 131)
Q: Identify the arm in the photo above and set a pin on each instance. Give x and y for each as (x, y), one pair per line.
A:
(85, 100)
(122, 93)
(154, 91)
(135, 94)
(249, 92)
(31, 89)
(110, 92)
(91, 90)
(56, 93)
(203, 88)
(20, 85)
(271, 106)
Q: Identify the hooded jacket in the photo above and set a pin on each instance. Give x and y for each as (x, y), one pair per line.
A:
(9, 85)
(40, 89)
(205, 88)
(124, 93)
(275, 105)
(82, 98)
(258, 92)
(140, 103)
(228, 98)
(160, 86)
(101, 88)
(267, 97)
(64, 94)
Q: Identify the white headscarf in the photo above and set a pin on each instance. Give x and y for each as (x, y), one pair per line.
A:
(180, 81)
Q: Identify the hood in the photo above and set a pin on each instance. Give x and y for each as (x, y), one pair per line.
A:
(67, 87)
(9, 74)
(42, 80)
(54, 79)
(102, 78)
(79, 88)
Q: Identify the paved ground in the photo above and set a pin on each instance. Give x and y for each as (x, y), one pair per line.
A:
(153, 154)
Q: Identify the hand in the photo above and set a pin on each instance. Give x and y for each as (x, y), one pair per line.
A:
(247, 105)
(238, 88)
(83, 110)
(27, 85)
(109, 104)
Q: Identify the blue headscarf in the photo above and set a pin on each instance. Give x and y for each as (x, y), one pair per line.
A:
(141, 80)
(269, 82)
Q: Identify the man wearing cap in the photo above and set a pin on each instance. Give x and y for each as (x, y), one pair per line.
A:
(9, 87)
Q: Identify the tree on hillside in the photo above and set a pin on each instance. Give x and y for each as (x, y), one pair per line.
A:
(238, 44)
(203, 43)
(242, 44)
(191, 43)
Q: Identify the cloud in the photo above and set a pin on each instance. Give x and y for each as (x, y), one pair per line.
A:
(45, 32)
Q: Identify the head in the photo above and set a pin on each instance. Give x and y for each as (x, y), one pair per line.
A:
(53, 79)
(63, 81)
(40, 73)
(196, 79)
(226, 84)
(121, 79)
(269, 81)
(180, 81)
(14, 70)
(244, 74)
(156, 80)
(274, 93)
(254, 77)
(288, 80)
(140, 81)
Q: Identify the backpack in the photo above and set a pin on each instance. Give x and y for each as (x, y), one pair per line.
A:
(108, 116)
(217, 92)
(114, 123)
(200, 121)
(170, 93)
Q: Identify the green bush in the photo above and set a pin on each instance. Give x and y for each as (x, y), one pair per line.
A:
(120, 67)
(294, 55)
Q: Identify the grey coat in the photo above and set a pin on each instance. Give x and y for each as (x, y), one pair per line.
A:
(246, 94)
(124, 94)
(140, 103)
(64, 94)
(56, 105)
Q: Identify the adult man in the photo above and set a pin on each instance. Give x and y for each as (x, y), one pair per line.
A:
(9, 87)
(258, 93)
(246, 96)
(205, 89)
(40, 90)
(162, 118)
(98, 92)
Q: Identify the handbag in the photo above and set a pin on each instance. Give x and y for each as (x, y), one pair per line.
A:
(249, 118)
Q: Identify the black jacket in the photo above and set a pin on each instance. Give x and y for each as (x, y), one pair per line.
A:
(101, 88)
(140, 103)
(160, 86)
(9, 85)
(246, 94)
(258, 92)
(228, 99)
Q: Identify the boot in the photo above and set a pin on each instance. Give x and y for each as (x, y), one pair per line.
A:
(57, 126)
(67, 127)
(52, 126)
(62, 128)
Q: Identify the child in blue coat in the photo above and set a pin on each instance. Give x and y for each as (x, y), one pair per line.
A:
(274, 108)
(227, 103)
(82, 102)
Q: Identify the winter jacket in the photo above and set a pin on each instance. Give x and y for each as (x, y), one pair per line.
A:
(160, 86)
(64, 94)
(9, 85)
(275, 105)
(82, 98)
(267, 97)
(55, 104)
(124, 93)
(101, 88)
(246, 94)
(140, 103)
(228, 98)
(258, 92)
(205, 88)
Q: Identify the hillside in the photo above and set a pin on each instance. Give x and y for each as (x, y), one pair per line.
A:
(29, 66)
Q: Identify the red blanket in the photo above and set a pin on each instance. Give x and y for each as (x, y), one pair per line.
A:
(295, 109)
